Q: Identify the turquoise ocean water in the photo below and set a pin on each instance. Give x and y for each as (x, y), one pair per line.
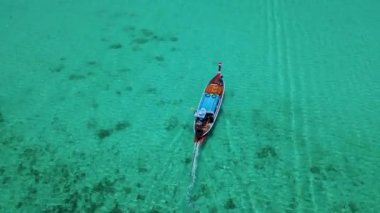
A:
(97, 101)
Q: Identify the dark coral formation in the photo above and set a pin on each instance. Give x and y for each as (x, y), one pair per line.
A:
(144, 36)
(266, 157)
(128, 88)
(147, 32)
(104, 133)
(315, 170)
(91, 63)
(266, 151)
(127, 190)
(124, 70)
(75, 77)
(1, 118)
(351, 207)
(129, 29)
(116, 46)
(187, 160)
(173, 39)
(140, 197)
(104, 186)
(171, 123)
(159, 58)
(140, 41)
(151, 90)
(92, 124)
(229, 204)
(107, 132)
(116, 209)
(121, 125)
(57, 68)
(63, 178)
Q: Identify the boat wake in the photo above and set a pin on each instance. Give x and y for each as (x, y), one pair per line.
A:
(193, 175)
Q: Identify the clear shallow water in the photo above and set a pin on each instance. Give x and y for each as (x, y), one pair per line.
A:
(96, 106)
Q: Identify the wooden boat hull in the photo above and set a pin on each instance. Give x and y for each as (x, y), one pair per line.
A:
(209, 106)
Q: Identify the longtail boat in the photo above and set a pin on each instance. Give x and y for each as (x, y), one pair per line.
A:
(208, 108)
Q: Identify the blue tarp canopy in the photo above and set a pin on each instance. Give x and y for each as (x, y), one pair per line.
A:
(208, 105)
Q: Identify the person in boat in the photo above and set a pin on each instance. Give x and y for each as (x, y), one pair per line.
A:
(198, 123)
(207, 123)
(211, 119)
(221, 80)
(199, 127)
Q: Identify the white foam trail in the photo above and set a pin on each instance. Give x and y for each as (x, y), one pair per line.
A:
(193, 174)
